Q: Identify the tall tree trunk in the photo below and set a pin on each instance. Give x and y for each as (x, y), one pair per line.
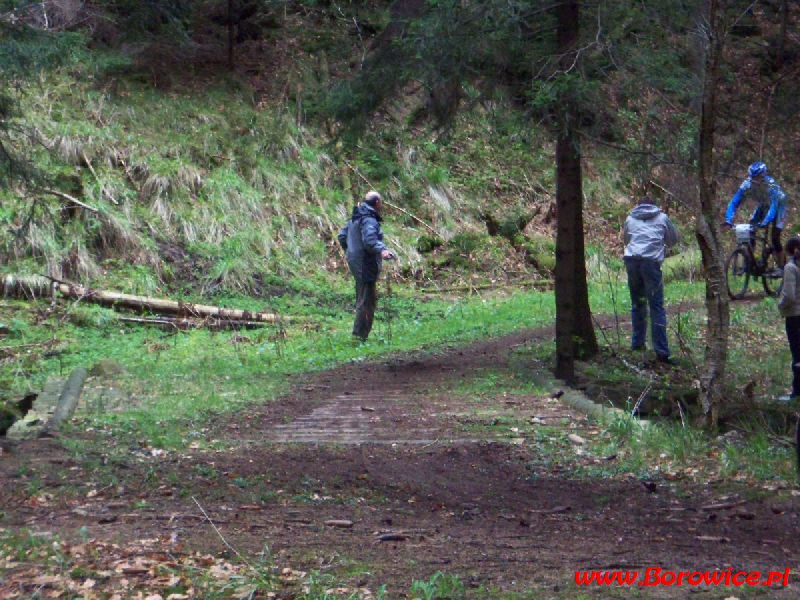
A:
(707, 231)
(780, 54)
(575, 337)
(231, 35)
(567, 189)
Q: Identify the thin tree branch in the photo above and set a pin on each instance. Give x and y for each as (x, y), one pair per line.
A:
(219, 533)
(69, 198)
(632, 151)
(387, 203)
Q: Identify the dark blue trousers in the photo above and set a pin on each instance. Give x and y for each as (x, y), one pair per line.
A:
(647, 291)
(793, 333)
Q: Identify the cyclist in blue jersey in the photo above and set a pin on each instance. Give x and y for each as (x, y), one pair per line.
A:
(770, 205)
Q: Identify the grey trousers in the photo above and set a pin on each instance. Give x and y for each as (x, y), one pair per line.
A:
(366, 301)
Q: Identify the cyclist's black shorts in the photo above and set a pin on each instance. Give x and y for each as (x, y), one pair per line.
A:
(775, 237)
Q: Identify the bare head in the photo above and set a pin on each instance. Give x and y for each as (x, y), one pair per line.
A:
(374, 199)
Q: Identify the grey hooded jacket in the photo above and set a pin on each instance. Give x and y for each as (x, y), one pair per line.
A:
(648, 233)
(362, 240)
(789, 303)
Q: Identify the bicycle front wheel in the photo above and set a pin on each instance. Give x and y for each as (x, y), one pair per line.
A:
(737, 272)
(772, 278)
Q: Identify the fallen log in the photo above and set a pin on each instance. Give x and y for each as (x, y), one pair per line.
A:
(36, 286)
(184, 323)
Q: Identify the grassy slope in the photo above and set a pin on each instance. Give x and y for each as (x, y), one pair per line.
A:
(202, 187)
(205, 192)
(206, 181)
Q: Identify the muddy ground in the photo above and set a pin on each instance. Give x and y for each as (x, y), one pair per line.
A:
(374, 474)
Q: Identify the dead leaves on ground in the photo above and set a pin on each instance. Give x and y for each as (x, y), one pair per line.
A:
(143, 570)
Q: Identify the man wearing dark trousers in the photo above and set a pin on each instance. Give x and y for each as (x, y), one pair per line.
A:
(648, 232)
(362, 240)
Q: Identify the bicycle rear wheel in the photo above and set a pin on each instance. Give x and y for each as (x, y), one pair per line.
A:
(773, 282)
(737, 272)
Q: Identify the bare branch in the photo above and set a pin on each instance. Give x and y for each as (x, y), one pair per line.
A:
(69, 198)
(387, 203)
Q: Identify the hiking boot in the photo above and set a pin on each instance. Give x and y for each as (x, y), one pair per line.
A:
(663, 358)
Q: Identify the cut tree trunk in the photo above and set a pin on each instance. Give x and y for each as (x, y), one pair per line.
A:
(67, 401)
(34, 286)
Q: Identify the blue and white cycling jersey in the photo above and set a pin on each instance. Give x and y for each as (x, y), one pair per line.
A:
(770, 202)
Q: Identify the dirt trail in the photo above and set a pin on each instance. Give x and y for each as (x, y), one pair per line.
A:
(373, 473)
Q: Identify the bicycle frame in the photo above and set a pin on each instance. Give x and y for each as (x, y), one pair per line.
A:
(753, 256)
(758, 247)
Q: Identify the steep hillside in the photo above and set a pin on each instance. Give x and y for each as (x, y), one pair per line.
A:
(196, 167)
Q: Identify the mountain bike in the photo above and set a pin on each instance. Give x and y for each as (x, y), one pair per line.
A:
(752, 257)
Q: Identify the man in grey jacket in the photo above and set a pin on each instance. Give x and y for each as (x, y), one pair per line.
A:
(648, 233)
(362, 240)
(789, 305)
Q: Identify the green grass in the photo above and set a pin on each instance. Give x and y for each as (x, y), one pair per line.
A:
(245, 192)
(760, 458)
(491, 383)
(174, 381)
(169, 405)
(251, 197)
